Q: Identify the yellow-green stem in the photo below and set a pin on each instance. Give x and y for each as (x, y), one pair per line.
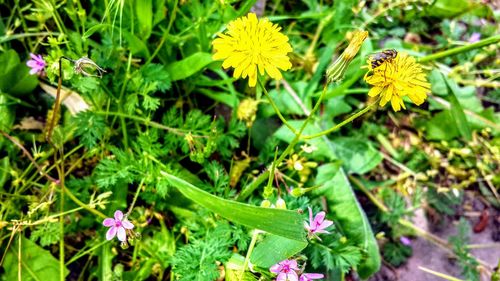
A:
(278, 112)
(341, 124)
(249, 252)
(491, 40)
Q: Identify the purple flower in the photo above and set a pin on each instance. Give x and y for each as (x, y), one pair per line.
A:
(118, 226)
(310, 276)
(36, 63)
(318, 224)
(405, 240)
(286, 270)
(474, 37)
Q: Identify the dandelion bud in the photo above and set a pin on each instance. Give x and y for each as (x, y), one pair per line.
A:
(247, 111)
(265, 203)
(124, 245)
(336, 70)
(87, 67)
(281, 204)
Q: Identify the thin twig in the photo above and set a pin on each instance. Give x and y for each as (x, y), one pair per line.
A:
(26, 152)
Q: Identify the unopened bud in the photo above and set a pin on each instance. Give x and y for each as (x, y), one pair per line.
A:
(265, 203)
(336, 70)
(124, 245)
(297, 192)
(138, 236)
(281, 204)
(88, 67)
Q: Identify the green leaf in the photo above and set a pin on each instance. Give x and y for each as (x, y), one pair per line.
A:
(447, 8)
(4, 171)
(6, 115)
(187, 67)
(349, 216)
(274, 249)
(14, 76)
(36, 263)
(234, 267)
(358, 156)
(457, 112)
(285, 223)
(144, 12)
(441, 127)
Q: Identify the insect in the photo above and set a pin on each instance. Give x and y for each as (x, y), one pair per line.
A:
(379, 58)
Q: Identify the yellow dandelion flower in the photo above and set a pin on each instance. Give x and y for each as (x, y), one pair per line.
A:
(396, 78)
(252, 45)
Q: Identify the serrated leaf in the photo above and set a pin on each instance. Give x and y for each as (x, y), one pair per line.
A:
(285, 223)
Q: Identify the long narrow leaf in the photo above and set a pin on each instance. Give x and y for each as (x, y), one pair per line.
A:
(284, 223)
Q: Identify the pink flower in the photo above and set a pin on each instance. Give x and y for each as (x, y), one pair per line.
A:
(36, 63)
(286, 270)
(118, 226)
(318, 224)
(310, 276)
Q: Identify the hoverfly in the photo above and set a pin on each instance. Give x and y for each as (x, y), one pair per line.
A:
(379, 58)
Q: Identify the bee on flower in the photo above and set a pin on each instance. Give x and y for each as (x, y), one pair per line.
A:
(394, 75)
(253, 46)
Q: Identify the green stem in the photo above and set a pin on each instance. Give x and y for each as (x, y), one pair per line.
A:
(247, 190)
(249, 252)
(278, 112)
(81, 204)
(135, 197)
(147, 122)
(341, 124)
(491, 40)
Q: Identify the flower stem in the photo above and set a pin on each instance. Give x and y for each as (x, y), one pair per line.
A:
(490, 40)
(247, 190)
(278, 112)
(135, 197)
(341, 124)
(249, 252)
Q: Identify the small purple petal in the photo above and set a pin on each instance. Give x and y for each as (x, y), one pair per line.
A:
(311, 276)
(293, 264)
(325, 224)
(118, 215)
(111, 233)
(33, 71)
(108, 222)
(275, 268)
(122, 236)
(292, 276)
(405, 240)
(281, 277)
(318, 219)
(474, 37)
(127, 224)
